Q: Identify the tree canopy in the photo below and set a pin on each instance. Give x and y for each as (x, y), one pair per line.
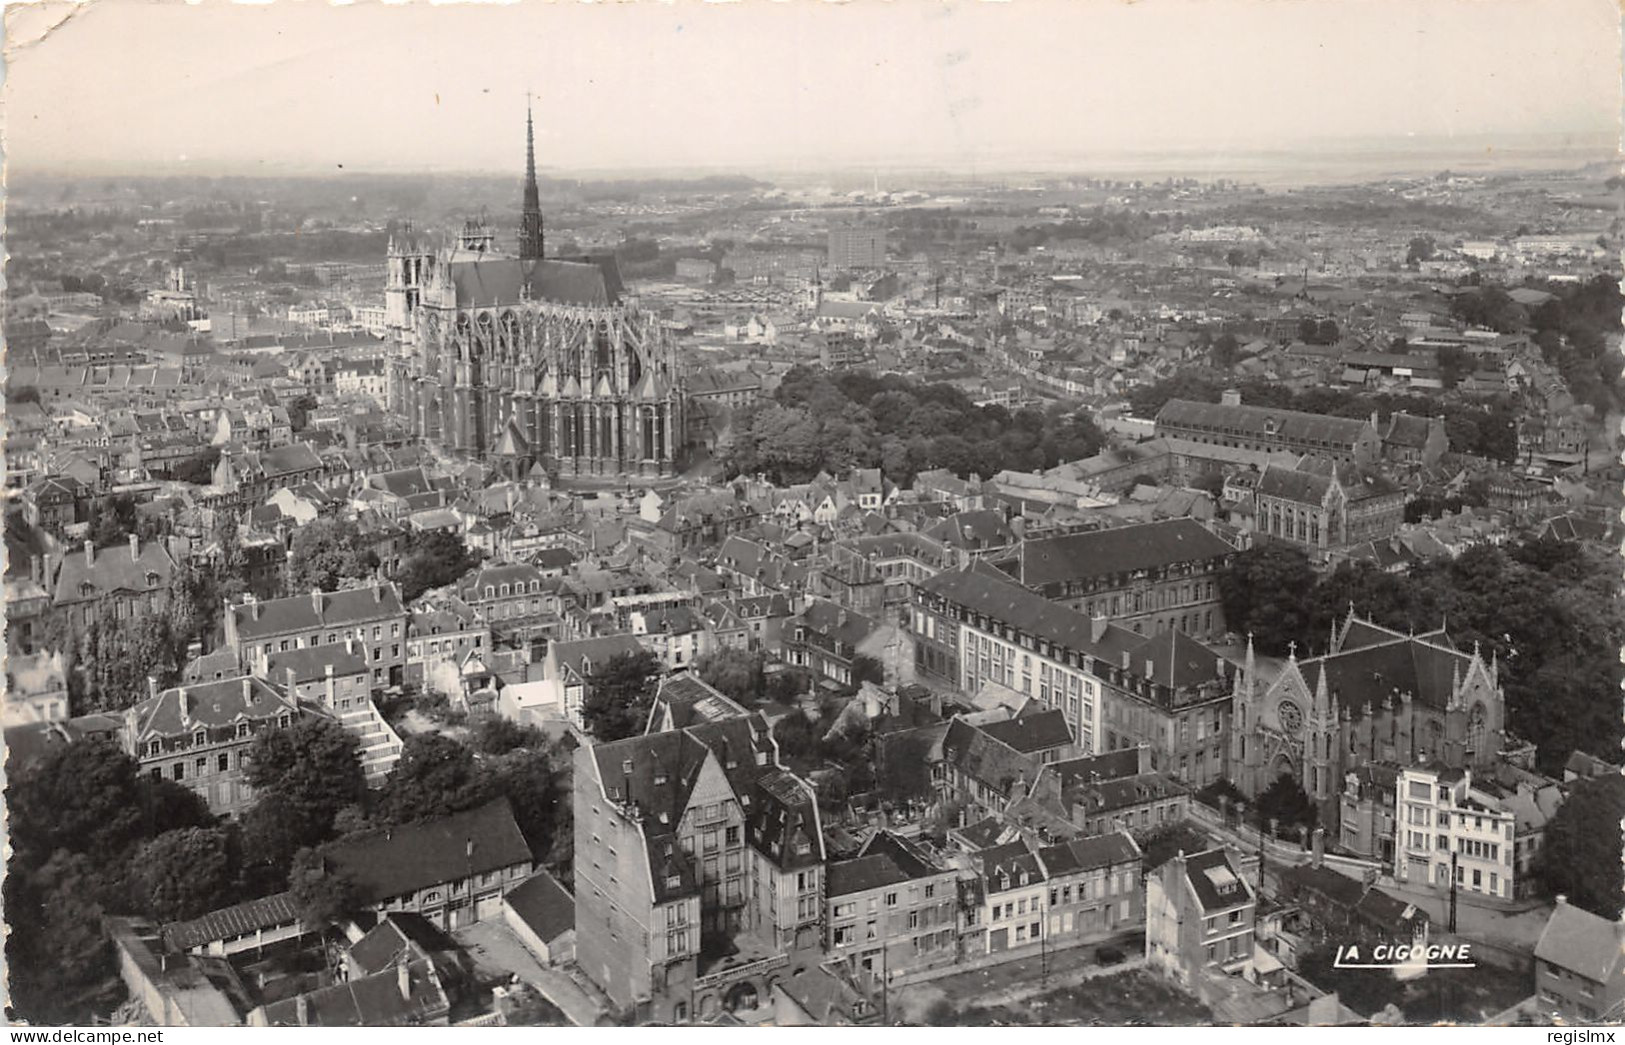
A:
(1580, 853)
(309, 772)
(619, 696)
(327, 553)
(433, 559)
(836, 422)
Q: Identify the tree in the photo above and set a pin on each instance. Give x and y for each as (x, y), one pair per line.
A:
(903, 766)
(619, 696)
(499, 736)
(798, 738)
(309, 771)
(82, 797)
(1580, 855)
(322, 894)
(867, 669)
(433, 560)
(183, 874)
(198, 469)
(1268, 592)
(326, 553)
(299, 410)
(735, 673)
(56, 951)
(434, 777)
(537, 784)
(1226, 350)
(1422, 248)
(22, 394)
(1287, 804)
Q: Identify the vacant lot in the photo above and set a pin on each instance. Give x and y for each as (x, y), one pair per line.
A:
(1134, 997)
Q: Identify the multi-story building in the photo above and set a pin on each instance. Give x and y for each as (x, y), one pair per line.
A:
(452, 870)
(827, 639)
(1200, 912)
(856, 247)
(1171, 694)
(1367, 816)
(438, 638)
(972, 626)
(131, 583)
(198, 736)
(338, 679)
(1452, 827)
(568, 669)
(36, 689)
(1323, 507)
(1014, 888)
(1152, 577)
(1094, 888)
(699, 869)
(371, 617)
(1229, 423)
(676, 635)
(251, 476)
(891, 910)
(515, 599)
(1580, 966)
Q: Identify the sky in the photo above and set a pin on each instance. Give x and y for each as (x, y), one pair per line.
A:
(126, 86)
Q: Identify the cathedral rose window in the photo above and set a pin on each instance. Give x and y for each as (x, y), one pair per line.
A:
(1290, 717)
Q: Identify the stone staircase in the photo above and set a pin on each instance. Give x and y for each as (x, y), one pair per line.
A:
(380, 745)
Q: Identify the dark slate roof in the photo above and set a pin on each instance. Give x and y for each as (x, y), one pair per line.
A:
(338, 609)
(113, 569)
(862, 874)
(1253, 421)
(1011, 859)
(502, 281)
(310, 664)
(398, 936)
(1177, 660)
(369, 1001)
(689, 701)
(236, 920)
(1208, 872)
(1408, 430)
(1121, 549)
(1423, 670)
(208, 705)
(1104, 797)
(599, 651)
(542, 903)
(982, 757)
(1108, 765)
(1339, 888)
(1086, 854)
(1577, 940)
(1032, 733)
(410, 857)
(1290, 484)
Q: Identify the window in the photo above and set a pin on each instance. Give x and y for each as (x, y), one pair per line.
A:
(224, 763)
(177, 771)
(891, 899)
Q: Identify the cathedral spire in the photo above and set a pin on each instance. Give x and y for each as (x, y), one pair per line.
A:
(530, 220)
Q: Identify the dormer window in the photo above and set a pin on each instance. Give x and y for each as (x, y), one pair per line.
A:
(155, 748)
(282, 722)
(200, 738)
(490, 592)
(242, 729)
(674, 881)
(1004, 880)
(626, 766)
(504, 590)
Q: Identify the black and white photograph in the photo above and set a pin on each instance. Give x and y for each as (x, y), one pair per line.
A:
(795, 513)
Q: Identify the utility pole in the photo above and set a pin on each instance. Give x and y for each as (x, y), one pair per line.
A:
(1452, 892)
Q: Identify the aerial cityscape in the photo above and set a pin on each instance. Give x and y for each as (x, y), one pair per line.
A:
(939, 590)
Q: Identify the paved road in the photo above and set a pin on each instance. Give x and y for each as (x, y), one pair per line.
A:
(497, 952)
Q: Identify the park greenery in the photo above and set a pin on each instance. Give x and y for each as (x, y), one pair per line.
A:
(820, 422)
(1546, 611)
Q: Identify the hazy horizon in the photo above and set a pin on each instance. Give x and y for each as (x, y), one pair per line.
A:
(799, 90)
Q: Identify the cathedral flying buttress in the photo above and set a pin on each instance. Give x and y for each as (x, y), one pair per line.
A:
(526, 360)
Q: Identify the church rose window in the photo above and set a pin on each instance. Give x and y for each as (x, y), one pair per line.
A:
(1290, 717)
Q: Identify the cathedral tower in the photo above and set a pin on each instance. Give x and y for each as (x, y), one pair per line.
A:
(530, 221)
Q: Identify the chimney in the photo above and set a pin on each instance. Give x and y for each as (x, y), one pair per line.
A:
(316, 600)
(248, 688)
(1150, 668)
(331, 695)
(1219, 668)
(403, 979)
(135, 548)
(301, 1006)
(1318, 847)
(1127, 659)
(293, 688)
(378, 594)
(90, 552)
(152, 686)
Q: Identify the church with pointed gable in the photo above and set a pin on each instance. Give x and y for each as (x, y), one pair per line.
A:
(521, 359)
(1377, 696)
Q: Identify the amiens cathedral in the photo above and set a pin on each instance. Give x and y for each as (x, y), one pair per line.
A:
(524, 360)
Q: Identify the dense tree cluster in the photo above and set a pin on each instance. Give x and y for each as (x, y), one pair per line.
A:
(90, 836)
(619, 696)
(1546, 610)
(326, 554)
(1574, 331)
(819, 422)
(433, 559)
(1580, 852)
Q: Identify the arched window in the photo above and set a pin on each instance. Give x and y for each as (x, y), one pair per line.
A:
(1477, 728)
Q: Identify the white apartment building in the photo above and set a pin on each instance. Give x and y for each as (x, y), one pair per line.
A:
(1444, 820)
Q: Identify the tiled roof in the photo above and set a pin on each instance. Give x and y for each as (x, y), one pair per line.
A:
(1122, 549)
(404, 859)
(1086, 854)
(208, 705)
(113, 569)
(502, 281)
(1032, 733)
(1217, 883)
(1290, 425)
(1003, 866)
(236, 920)
(336, 609)
(984, 592)
(542, 903)
(1577, 940)
(310, 664)
(369, 1001)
